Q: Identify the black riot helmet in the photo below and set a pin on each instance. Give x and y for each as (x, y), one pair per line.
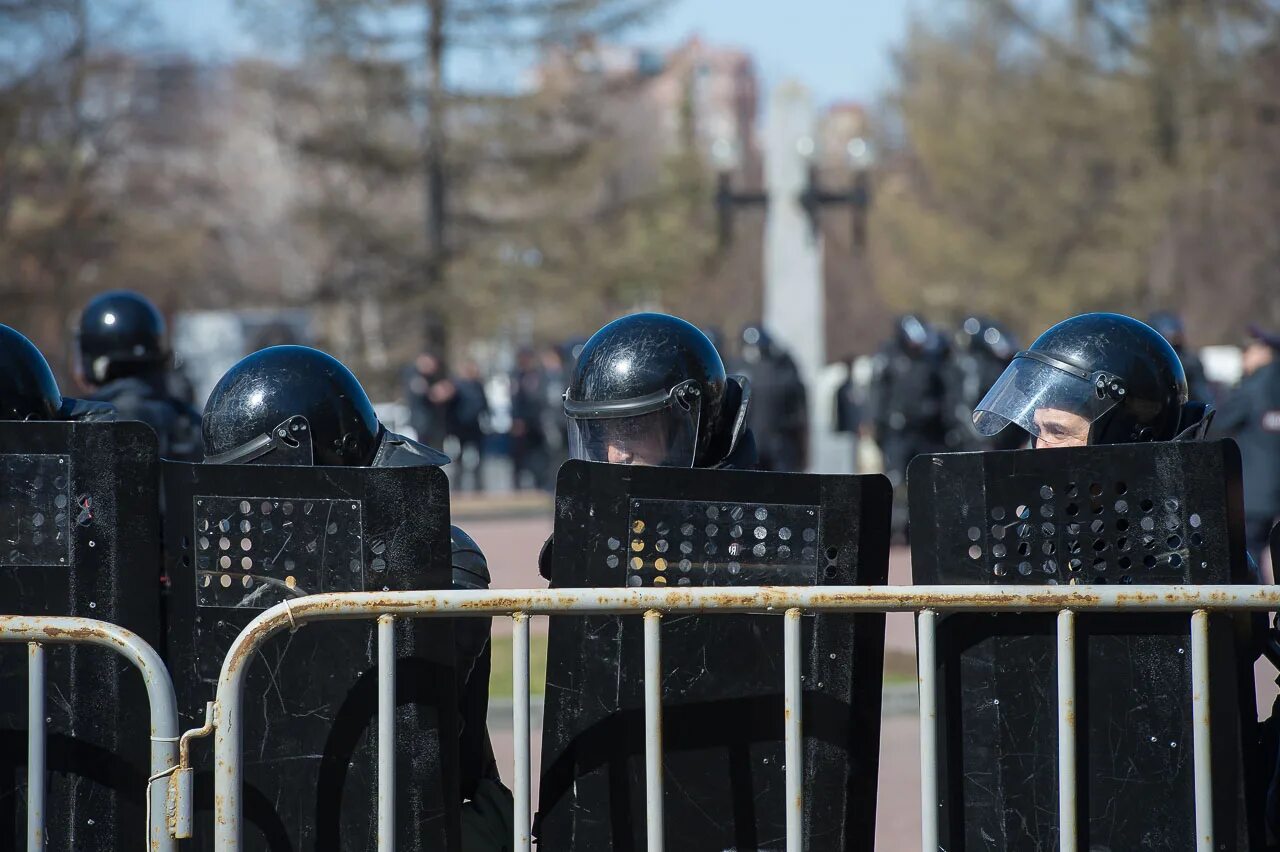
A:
(649, 389)
(1170, 326)
(980, 334)
(290, 405)
(120, 334)
(28, 390)
(757, 344)
(1107, 373)
(912, 333)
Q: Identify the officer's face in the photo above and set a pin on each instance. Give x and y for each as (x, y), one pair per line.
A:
(650, 450)
(1060, 428)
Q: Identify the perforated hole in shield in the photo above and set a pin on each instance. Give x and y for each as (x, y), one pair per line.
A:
(36, 508)
(253, 552)
(700, 543)
(1109, 532)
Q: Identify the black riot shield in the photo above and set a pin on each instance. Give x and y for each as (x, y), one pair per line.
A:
(722, 675)
(1141, 513)
(79, 535)
(1275, 549)
(244, 538)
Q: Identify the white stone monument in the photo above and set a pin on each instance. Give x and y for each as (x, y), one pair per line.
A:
(794, 295)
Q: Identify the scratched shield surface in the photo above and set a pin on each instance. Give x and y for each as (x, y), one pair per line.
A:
(241, 539)
(722, 676)
(1157, 513)
(79, 536)
(253, 552)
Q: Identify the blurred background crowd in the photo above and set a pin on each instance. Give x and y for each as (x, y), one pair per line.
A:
(450, 195)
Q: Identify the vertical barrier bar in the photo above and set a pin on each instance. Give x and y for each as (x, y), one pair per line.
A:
(653, 729)
(386, 733)
(927, 672)
(1068, 829)
(1200, 714)
(520, 722)
(35, 747)
(793, 696)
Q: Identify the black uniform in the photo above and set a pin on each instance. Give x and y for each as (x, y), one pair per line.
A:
(907, 397)
(147, 400)
(1251, 415)
(120, 344)
(779, 402)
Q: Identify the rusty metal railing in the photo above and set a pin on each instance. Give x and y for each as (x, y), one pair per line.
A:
(791, 602)
(37, 632)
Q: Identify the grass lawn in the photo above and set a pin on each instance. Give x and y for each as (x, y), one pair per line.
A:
(500, 674)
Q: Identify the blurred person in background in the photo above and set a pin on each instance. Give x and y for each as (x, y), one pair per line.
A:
(1172, 329)
(122, 357)
(427, 392)
(1251, 415)
(982, 349)
(779, 415)
(848, 408)
(555, 380)
(528, 422)
(906, 396)
(468, 413)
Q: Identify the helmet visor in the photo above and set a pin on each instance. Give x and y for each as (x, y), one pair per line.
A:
(1058, 405)
(664, 438)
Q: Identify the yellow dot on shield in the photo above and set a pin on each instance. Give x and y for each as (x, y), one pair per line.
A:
(660, 564)
(637, 527)
(659, 581)
(637, 545)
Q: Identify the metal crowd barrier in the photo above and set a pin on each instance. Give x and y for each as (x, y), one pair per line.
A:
(39, 631)
(790, 602)
(169, 805)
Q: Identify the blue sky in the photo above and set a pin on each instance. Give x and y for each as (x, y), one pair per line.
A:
(839, 48)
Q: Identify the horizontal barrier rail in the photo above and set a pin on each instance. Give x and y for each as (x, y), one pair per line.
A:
(37, 632)
(928, 601)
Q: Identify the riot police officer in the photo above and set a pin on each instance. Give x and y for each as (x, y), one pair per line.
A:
(779, 414)
(1099, 379)
(252, 416)
(28, 390)
(983, 348)
(1251, 415)
(1094, 379)
(906, 396)
(122, 356)
(1171, 328)
(651, 389)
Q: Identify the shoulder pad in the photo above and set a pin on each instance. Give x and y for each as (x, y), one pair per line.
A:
(470, 568)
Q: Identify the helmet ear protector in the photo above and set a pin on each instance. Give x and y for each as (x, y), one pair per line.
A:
(288, 444)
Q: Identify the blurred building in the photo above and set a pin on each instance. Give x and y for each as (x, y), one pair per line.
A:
(654, 96)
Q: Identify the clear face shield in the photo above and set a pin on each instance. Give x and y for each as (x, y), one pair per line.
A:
(658, 430)
(1056, 402)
